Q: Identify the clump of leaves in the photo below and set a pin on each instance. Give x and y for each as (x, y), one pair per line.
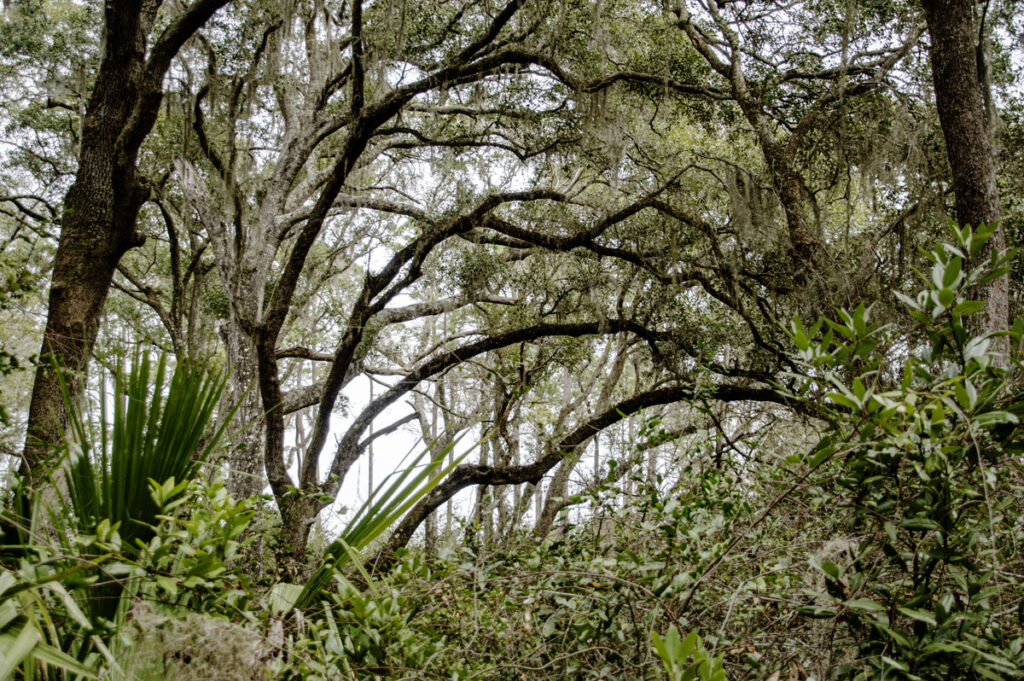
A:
(32, 598)
(926, 455)
(686, 659)
(157, 429)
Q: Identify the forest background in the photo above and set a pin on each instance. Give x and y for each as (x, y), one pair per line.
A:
(579, 251)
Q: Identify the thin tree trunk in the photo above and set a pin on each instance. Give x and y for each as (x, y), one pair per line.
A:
(482, 520)
(555, 499)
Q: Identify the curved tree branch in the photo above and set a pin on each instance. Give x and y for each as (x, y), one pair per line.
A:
(467, 475)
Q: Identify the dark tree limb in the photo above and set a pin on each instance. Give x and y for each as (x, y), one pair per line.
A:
(346, 453)
(467, 475)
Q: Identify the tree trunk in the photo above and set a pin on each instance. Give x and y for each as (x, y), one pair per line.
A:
(101, 207)
(483, 516)
(555, 500)
(430, 535)
(97, 228)
(245, 461)
(962, 114)
(298, 513)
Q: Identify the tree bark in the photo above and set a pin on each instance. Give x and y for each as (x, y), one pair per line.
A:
(963, 116)
(554, 500)
(245, 477)
(97, 228)
(101, 207)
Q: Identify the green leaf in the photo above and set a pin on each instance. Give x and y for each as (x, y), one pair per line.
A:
(816, 612)
(865, 604)
(976, 347)
(992, 418)
(968, 307)
(283, 596)
(977, 240)
(993, 275)
(908, 301)
(938, 274)
(895, 664)
(661, 649)
(952, 273)
(896, 636)
(70, 605)
(15, 649)
(843, 400)
(940, 647)
(688, 645)
(549, 626)
(1017, 331)
(920, 524)
(989, 674)
(966, 394)
(919, 615)
(831, 569)
(51, 655)
(841, 329)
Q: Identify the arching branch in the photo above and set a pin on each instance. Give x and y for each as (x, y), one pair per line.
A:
(467, 475)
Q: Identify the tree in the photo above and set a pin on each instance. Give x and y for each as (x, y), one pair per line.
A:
(342, 125)
(338, 172)
(787, 92)
(101, 207)
(957, 73)
(588, 231)
(330, 177)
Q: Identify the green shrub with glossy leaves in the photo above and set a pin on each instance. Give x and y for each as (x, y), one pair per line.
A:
(685, 658)
(925, 441)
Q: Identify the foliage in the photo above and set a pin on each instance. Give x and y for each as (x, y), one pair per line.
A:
(395, 495)
(521, 216)
(157, 435)
(42, 600)
(57, 607)
(191, 564)
(686, 659)
(34, 604)
(925, 456)
(369, 630)
(119, 533)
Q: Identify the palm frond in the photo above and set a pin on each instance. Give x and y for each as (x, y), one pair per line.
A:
(155, 425)
(395, 495)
